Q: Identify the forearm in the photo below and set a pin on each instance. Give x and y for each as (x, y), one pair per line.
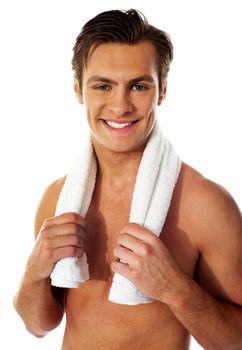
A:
(37, 307)
(215, 325)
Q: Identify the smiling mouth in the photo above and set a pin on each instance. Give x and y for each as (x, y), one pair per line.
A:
(119, 125)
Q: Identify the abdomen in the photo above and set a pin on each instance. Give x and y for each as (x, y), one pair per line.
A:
(92, 322)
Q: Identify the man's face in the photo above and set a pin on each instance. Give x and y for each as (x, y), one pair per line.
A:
(121, 93)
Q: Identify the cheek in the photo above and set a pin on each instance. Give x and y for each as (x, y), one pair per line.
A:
(147, 105)
(93, 105)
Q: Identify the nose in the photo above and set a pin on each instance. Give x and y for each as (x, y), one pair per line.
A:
(120, 103)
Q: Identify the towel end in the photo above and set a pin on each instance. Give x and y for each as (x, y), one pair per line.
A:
(56, 282)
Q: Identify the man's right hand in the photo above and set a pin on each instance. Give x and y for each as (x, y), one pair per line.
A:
(59, 237)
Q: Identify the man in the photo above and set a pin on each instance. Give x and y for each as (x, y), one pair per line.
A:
(193, 271)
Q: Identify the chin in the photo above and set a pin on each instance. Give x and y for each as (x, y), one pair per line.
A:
(119, 149)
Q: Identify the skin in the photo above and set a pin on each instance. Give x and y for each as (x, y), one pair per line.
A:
(193, 271)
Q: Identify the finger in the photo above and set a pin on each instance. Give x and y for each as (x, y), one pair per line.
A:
(67, 252)
(129, 242)
(65, 241)
(65, 229)
(66, 218)
(139, 247)
(122, 269)
(139, 232)
(125, 255)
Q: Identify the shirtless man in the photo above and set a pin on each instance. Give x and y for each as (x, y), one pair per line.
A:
(193, 271)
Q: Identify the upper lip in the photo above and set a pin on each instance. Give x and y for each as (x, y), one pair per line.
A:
(120, 121)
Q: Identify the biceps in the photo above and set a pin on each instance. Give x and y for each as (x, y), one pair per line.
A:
(220, 273)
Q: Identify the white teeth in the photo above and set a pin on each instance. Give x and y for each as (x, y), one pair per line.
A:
(117, 125)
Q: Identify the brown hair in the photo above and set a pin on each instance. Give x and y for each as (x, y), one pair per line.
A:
(127, 27)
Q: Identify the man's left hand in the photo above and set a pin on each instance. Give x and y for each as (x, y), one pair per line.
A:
(149, 265)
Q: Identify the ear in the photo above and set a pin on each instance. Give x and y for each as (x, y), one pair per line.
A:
(163, 92)
(77, 91)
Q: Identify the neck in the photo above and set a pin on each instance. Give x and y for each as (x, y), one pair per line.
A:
(117, 169)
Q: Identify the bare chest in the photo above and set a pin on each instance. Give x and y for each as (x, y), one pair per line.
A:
(105, 219)
(121, 326)
(107, 216)
(117, 325)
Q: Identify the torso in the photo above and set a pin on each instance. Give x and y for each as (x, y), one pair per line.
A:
(92, 322)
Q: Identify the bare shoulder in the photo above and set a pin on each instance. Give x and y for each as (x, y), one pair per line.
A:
(208, 207)
(47, 204)
(210, 214)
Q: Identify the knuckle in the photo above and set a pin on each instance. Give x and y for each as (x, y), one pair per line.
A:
(74, 251)
(72, 216)
(47, 231)
(115, 251)
(83, 234)
(137, 263)
(125, 237)
(76, 240)
(47, 221)
(146, 250)
(74, 229)
(43, 232)
(153, 239)
(125, 228)
(121, 238)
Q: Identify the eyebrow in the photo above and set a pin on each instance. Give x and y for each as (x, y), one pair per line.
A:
(96, 78)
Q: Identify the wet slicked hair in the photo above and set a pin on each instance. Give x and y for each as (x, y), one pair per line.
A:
(124, 27)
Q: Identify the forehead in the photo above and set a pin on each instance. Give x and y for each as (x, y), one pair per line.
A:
(116, 58)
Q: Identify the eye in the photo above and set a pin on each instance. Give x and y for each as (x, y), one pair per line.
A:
(102, 87)
(139, 87)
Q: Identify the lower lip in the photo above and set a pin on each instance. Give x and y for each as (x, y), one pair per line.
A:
(119, 131)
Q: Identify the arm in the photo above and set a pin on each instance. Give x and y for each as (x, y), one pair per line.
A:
(37, 306)
(211, 310)
(41, 306)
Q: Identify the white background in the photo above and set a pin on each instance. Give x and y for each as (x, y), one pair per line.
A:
(42, 124)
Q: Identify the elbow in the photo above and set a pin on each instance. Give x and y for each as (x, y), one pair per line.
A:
(37, 326)
(15, 304)
(39, 329)
(36, 332)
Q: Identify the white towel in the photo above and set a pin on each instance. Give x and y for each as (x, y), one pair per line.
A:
(156, 178)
